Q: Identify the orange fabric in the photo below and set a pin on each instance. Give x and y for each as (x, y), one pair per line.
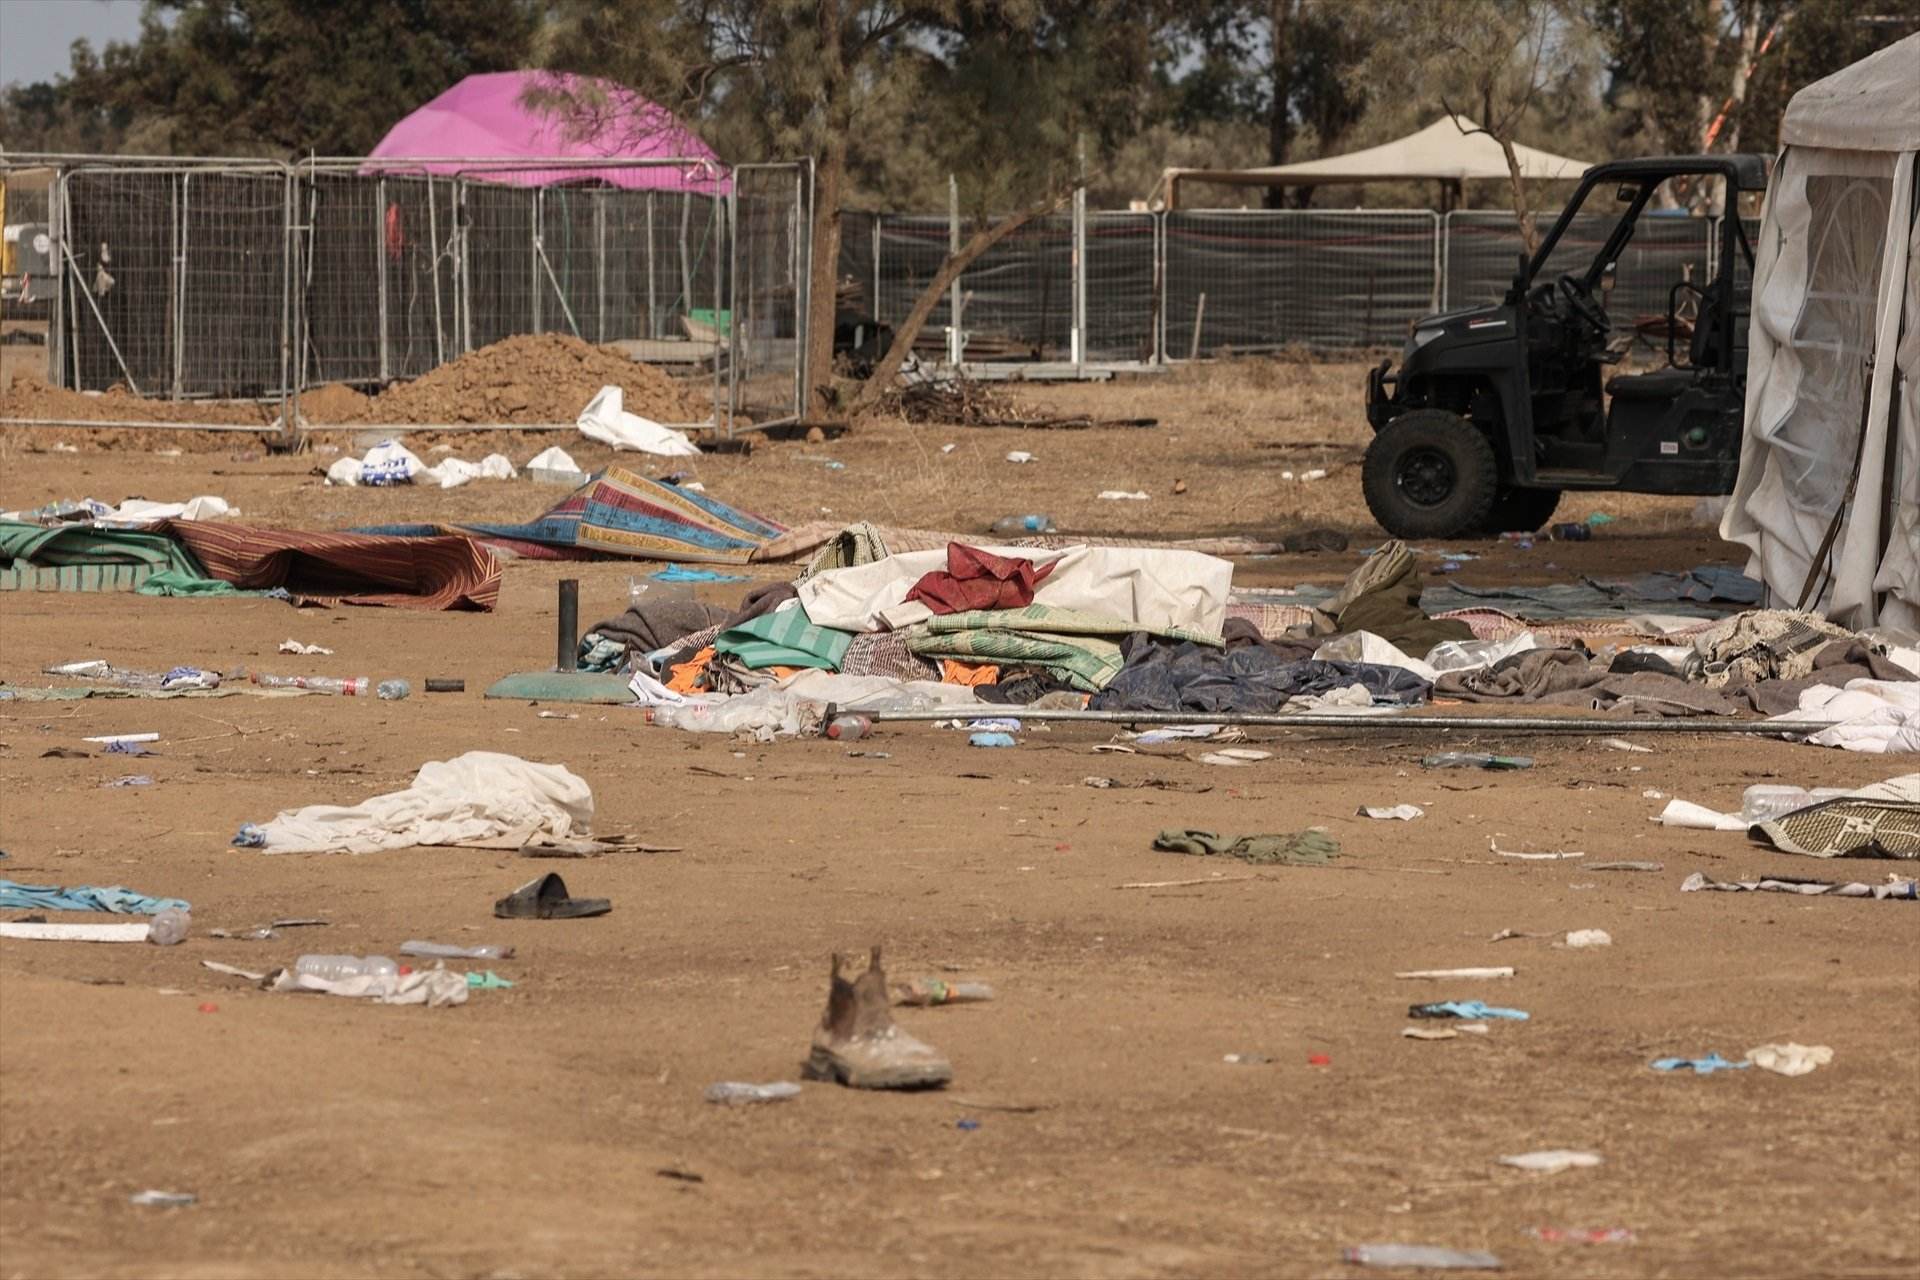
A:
(961, 673)
(686, 676)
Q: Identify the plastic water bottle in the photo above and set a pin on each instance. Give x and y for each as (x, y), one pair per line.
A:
(1475, 760)
(1419, 1255)
(849, 728)
(732, 1093)
(1764, 802)
(169, 927)
(340, 968)
(1014, 525)
(393, 690)
(446, 951)
(352, 687)
(936, 991)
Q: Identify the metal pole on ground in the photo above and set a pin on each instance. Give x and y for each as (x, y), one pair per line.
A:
(567, 637)
(1381, 723)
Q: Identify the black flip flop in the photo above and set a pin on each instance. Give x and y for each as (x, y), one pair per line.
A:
(545, 898)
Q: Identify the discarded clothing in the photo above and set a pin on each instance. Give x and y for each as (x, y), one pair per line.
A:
(1382, 596)
(1895, 887)
(1025, 685)
(345, 568)
(680, 573)
(976, 579)
(1565, 677)
(1837, 663)
(970, 675)
(15, 896)
(1875, 716)
(1790, 1059)
(856, 544)
(885, 654)
(434, 988)
(784, 638)
(478, 796)
(654, 624)
(1766, 644)
(1189, 677)
(1310, 848)
(1474, 1010)
(1082, 648)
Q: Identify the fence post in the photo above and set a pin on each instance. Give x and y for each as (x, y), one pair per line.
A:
(600, 261)
(686, 265)
(956, 341)
(653, 299)
(56, 329)
(1158, 338)
(1446, 258)
(175, 278)
(1079, 277)
(804, 193)
(292, 303)
(1439, 268)
(732, 203)
(180, 288)
(533, 259)
(873, 303)
(465, 278)
(433, 242)
(380, 271)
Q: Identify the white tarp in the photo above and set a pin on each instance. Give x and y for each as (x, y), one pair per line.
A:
(1157, 588)
(1832, 448)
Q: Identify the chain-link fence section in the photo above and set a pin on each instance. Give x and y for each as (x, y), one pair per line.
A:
(762, 329)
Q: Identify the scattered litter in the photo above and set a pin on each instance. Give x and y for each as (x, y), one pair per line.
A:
(1398, 813)
(1626, 866)
(75, 932)
(680, 573)
(434, 988)
(1651, 794)
(1234, 757)
(488, 981)
(1582, 1235)
(1499, 971)
(948, 448)
(130, 780)
(991, 740)
(1552, 1161)
(1120, 495)
(445, 951)
(1430, 1033)
(117, 899)
(967, 1125)
(606, 419)
(1020, 455)
(1696, 817)
(930, 991)
(732, 1093)
(1474, 1009)
(1549, 856)
(1589, 938)
(1319, 1060)
(1621, 744)
(163, 1199)
(111, 738)
(1790, 1059)
(1475, 760)
(1318, 473)
(678, 1175)
(1245, 1059)
(1896, 886)
(1427, 1256)
(1505, 934)
(997, 724)
(126, 749)
(1699, 1066)
(290, 645)
(559, 715)
(546, 898)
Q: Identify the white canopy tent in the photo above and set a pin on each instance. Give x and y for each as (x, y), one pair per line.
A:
(1445, 151)
(1828, 499)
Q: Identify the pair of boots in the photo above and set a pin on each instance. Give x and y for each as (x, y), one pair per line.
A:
(858, 1045)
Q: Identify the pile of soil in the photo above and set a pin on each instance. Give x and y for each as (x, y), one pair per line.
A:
(526, 379)
(31, 397)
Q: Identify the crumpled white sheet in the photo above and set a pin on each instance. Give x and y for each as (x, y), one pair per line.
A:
(606, 419)
(1155, 587)
(140, 511)
(1365, 646)
(1791, 1058)
(796, 704)
(435, 988)
(391, 462)
(482, 795)
(1697, 817)
(1881, 716)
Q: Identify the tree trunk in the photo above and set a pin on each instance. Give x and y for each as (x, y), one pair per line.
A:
(1279, 115)
(1522, 210)
(823, 276)
(978, 243)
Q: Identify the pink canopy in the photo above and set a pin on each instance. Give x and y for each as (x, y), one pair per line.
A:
(485, 117)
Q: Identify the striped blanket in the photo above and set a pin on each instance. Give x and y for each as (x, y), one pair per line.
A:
(621, 514)
(345, 568)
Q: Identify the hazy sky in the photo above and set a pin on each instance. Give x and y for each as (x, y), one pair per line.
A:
(34, 34)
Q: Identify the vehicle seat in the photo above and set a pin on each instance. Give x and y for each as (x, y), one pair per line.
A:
(1662, 384)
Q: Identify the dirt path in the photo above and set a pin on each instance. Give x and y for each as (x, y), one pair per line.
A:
(524, 1134)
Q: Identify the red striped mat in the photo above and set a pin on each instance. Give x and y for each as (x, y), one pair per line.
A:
(345, 568)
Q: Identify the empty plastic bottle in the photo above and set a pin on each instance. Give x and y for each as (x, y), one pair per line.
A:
(936, 991)
(1419, 1255)
(1475, 760)
(732, 1093)
(393, 690)
(353, 687)
(1023, 524)
(1765, 802)
(849, 728)
(447, 951)
(169, 926)
(340, 968)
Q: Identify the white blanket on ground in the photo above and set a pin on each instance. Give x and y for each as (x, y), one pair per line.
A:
(1869, 715)
(481, 795)
(1155, 587)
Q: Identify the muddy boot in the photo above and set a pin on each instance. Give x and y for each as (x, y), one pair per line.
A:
(858, 1044)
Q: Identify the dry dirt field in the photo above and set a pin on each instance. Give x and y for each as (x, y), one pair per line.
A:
(557, 1129)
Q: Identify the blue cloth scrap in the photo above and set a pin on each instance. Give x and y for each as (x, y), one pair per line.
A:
(1472, 1009)
(82, 897)
(126, 749)
(250, 836)
(991, 740)
(680, 573)
(1700, 1066)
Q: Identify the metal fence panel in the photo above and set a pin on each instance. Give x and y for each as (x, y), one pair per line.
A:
(1251, 280)
(1123, 286)
(232, 282)
(912, 249)
(1484, 246)
(1016, 299)
(500, 270)
(766, 317)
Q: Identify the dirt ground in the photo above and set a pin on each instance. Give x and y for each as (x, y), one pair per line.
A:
(557, 1129)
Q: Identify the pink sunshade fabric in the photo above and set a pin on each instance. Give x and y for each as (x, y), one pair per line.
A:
(487, 117)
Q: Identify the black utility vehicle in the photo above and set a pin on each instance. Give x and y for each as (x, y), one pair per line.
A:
(1494, 411)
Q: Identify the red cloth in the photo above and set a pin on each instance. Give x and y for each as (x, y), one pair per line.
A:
(976, 580)
(350, 568)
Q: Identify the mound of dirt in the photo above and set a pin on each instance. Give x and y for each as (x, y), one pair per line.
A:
(526, 379)
(31, 397)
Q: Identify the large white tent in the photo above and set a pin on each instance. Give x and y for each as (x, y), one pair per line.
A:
(1449, 150)
(1828, 499)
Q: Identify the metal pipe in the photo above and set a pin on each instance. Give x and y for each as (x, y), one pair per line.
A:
(568, 635)
(1316, 720)
(167, 426)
